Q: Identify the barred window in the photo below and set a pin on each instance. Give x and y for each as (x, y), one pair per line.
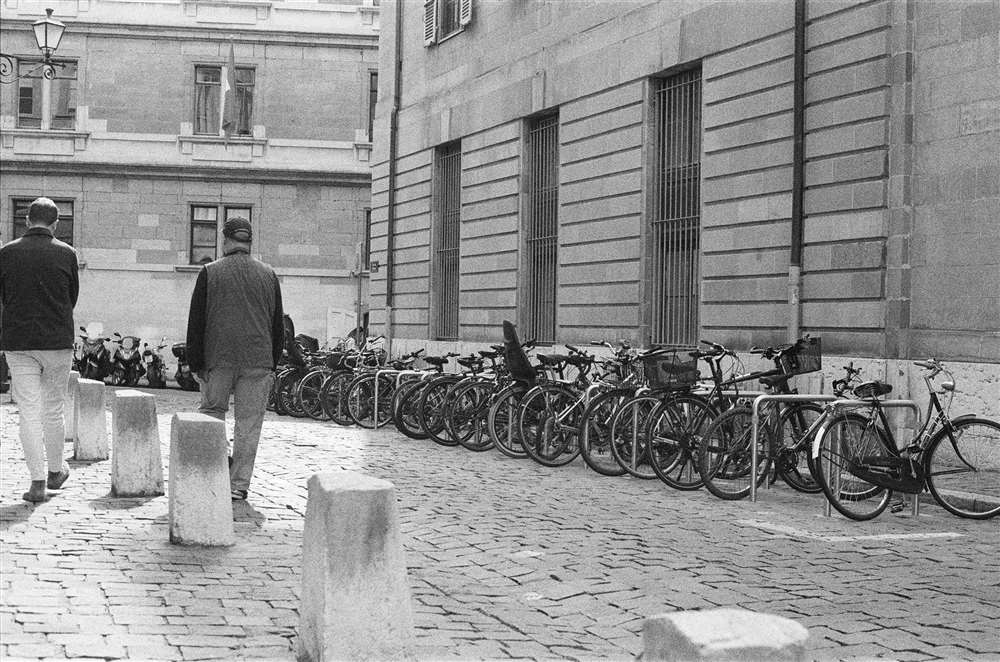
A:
(447, 221)
(542, 227)
(64, 228)
(676, 213)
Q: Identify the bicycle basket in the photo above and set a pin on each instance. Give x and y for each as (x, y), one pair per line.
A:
(805, 357)
(674, 370)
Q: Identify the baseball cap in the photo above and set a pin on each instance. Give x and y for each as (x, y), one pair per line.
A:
(238, 228)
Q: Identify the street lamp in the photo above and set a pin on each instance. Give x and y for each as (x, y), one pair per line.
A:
(48, 33)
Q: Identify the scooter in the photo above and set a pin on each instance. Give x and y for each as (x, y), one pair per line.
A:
(153, 360)
(95, 359)
(184, 377)
(126, 363)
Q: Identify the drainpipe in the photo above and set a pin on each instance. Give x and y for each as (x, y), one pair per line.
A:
(397, 87)
(798, 174)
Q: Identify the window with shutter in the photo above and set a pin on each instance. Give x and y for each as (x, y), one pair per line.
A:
(465, 13)
(430, 22)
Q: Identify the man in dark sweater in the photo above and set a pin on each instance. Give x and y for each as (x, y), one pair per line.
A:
(39, 285)
(234, 341)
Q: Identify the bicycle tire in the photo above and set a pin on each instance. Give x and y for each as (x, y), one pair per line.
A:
(307, 395)
(404, 415)
(793, 459)
(430, 410)
(286, 393)
(332, 397)
(466, 412)
(842, 440)
(361, 400)
(675, 431)
(595, 431)
(725, 457)
(279, 407)
(501, 422)
(963, 469)
(628, 443)
(548, 422)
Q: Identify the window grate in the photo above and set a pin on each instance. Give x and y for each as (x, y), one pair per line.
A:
(676, 214)
(446, 241)
(542, 226)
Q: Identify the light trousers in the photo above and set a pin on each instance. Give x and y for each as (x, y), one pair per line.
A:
(39, 380)
(249, 388)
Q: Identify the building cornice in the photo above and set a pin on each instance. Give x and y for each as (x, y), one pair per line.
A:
(240, 35)
(185, 172)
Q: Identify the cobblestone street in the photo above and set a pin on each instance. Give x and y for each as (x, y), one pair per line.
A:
(507, 559)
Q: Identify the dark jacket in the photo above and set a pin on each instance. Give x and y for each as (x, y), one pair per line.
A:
(39, 285)
(235, 317)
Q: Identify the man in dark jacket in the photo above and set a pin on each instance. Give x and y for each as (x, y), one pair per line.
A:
(39, 285)
(234, 341)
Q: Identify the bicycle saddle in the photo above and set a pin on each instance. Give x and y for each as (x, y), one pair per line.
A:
(487, 354)
(552, 359)
(872, 389)
(775, 380)
(435, 360)
(470, 361)
(579, 360)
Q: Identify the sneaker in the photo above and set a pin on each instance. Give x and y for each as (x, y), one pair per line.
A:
(238, 495)
(57, 478)
(36, 493)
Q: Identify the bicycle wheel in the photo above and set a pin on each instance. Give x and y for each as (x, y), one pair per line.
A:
(307, 395)
(963, 468)
(675, 431)
(404, 413)
(793, 450)
(430, 410)
(628, 436)
(286, 393)
(725, 456)
(843, 442)
(279, 407)
(549, 422)
(465, 414)
(595, 431)
(333, 397)
(501, 421)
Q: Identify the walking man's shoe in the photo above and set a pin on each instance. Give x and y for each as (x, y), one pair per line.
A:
(57, 478)
(239, 495)
(36, 493)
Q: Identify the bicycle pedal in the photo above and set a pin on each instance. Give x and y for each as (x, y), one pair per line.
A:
(897, 506)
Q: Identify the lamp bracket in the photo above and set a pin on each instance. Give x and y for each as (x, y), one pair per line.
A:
(8, 69)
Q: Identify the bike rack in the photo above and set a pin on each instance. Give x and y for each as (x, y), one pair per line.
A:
(379, 373)
(835, 402)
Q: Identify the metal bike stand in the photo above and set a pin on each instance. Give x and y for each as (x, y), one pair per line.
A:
(755, 418)
(379, 373)
(909, 404)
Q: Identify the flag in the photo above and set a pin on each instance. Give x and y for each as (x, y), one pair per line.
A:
(230, 113)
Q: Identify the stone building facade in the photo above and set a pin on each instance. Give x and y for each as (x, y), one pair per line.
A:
(631, 170)
(127, 140)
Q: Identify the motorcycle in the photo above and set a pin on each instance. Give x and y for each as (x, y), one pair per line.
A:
(153, 360)
(126, 363)
(185, 379)
(95, 359)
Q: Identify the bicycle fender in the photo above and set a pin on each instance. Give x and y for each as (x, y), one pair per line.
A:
(964, 417)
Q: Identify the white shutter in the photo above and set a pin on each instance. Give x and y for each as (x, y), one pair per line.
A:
(430, 21)
(465, 12)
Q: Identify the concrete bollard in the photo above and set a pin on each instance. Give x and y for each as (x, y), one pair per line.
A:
(355, 597)
(200, 507)
(69, 406)
(720, 635)
(136, 464)
(90, 421)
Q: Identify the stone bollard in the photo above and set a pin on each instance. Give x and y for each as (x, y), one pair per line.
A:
(90, 421)
(200, 508)
(722, 634)
(69, 406)
(136, 464)
(355, 597)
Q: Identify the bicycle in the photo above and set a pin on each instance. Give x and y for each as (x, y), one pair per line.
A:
(956, 459)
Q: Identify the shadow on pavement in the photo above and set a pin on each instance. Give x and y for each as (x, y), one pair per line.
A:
(13, 513)
(108, 502)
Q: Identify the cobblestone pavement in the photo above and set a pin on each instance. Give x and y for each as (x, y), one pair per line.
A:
(507, 559)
